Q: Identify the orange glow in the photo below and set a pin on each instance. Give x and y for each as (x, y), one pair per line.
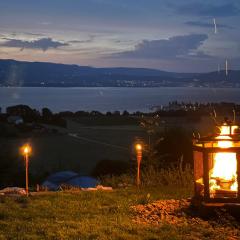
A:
(26, 149)
(138, 147)
(223, 175)
(225, 130)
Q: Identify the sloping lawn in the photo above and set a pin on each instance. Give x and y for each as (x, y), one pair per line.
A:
(89, 215)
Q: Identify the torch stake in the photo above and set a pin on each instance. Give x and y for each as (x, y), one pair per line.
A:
(26, 164)
(139, 159)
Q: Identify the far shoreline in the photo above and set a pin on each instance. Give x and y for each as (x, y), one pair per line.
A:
(141, 87)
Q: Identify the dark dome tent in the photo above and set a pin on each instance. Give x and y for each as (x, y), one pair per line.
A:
(54, 181)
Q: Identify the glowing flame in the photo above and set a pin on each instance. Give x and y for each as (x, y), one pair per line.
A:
(138, 147)
(26, 149)
(225, 130)
(223, 176)
(225, 166)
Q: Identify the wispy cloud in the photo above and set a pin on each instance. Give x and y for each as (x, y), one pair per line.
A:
(89, 40)
(32, 34)
(44, 44)
(174, 47)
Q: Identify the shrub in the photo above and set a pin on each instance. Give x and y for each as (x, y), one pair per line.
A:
(173, 177)
(115, 181)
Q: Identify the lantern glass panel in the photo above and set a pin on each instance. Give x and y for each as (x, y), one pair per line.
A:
(223, 174)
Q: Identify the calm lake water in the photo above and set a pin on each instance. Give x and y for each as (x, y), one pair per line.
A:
(111, 99)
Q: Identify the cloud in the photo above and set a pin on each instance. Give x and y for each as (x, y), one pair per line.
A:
(15, 34)
(174, 47)
(209, 10)
(206, 24)
(44, 44)
(33, 34)
(89, 40)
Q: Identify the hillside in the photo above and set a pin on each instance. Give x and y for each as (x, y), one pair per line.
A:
(39, 74)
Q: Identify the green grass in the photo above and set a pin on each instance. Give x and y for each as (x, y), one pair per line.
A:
(95, 215)
(81, 215)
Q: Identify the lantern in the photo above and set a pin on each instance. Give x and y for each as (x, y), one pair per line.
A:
(217, 167)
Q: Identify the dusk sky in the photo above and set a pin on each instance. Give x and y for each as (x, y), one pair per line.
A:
(163, 34)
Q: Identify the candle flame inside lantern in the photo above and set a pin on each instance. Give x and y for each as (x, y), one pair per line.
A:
(223, 175)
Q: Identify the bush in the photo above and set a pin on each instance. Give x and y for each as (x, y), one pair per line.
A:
(123, 180)
(151, 177)
(172, 176)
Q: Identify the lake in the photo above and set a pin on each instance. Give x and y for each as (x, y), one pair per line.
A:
(111, 99)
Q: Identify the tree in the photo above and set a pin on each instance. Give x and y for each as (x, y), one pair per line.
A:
(166, 146)
(108, 114)
(125, 113)
(151, 126)
(27, 113)
(116, 113)
(47, 113)
(172, 145)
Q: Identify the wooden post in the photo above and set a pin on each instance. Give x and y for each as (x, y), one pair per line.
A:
(238, 175)
(26, 164)
(206, 175)
(139, 159)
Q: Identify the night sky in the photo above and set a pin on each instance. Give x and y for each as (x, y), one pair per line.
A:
(163, 34)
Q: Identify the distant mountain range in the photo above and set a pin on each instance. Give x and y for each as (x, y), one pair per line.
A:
(40, 74)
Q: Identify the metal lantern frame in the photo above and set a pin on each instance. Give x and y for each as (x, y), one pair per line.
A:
(203, 149)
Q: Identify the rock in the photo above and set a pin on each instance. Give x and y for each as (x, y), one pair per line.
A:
(13, 191)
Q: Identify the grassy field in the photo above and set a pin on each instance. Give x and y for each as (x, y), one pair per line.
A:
(57, 152)
(83, 215)
(95, 215)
